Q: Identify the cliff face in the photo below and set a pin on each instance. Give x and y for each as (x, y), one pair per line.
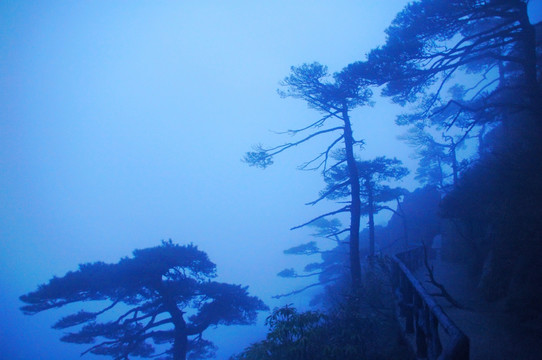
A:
(415, 222)
(493, 216)
(504, 257)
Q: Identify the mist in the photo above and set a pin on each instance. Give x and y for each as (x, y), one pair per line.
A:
(125, 124)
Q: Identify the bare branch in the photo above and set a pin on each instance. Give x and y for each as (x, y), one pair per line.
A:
(111, 342)
(330, 191)
(304, 288)
(335, 235)
(316, 124)
(341, 210)
(280, 148)
(324, 154)
(390, 209)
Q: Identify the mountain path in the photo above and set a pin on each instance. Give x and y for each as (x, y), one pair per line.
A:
(493, 333)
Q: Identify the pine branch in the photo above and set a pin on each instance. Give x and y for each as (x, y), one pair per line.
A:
(304, 288)
(329, 192)
(341, 210)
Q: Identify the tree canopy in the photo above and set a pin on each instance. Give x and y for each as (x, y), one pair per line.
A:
(430, 40)
(464, 64)
(161, 295)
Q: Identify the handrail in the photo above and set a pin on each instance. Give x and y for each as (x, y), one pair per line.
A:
(421, 316)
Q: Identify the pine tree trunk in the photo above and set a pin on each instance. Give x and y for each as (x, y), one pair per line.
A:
(180, 340)
(180, 344)
(455, 166)
(355, 210)
(370, 199)
(528, 46)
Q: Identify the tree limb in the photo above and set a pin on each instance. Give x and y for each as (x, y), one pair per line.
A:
(304, 288)
(341, 210)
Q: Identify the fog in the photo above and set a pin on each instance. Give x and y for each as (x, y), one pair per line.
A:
(124, 123)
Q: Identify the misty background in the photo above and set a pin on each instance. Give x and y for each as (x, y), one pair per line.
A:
(124, 123)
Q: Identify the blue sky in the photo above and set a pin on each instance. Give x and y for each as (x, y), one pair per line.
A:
(123, 123)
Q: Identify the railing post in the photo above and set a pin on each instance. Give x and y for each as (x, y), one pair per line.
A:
(408, 294)
(460, 350)
(436, 345)
(421, 338)
(422, 315)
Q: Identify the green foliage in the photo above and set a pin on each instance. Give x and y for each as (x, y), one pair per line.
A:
(302, 336)
(292, 334)
(355, 329)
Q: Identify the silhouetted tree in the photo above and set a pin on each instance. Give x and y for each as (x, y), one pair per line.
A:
(372, 191)
(431, 40)
(474, 68)
(372, 195)
(464, 64)
(334, 97)
(332, 266)
(437, 160)
(149, 297)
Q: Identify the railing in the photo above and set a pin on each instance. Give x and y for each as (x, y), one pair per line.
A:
(423, 321)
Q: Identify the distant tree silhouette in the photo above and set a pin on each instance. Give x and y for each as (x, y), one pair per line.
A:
(148, 298)
(438, 160)
(327, 271)
(334, 97)
(373, 193)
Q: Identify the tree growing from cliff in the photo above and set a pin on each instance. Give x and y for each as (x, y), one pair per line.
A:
(147, 297)
(464, 64)
(437, 160)
(430, 41)
(496, 51)
(334, 97)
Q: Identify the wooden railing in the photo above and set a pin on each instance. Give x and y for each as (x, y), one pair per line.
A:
(430, 332)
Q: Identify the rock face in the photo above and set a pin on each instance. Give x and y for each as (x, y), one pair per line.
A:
(491, 285)
(417, 222)
(505, 263)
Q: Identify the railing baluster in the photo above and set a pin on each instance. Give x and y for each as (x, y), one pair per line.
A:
(409, 306)
(436, 346)
(421, 340)
(422, 315)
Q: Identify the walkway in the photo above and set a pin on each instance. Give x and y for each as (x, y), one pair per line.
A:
(493, 334)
